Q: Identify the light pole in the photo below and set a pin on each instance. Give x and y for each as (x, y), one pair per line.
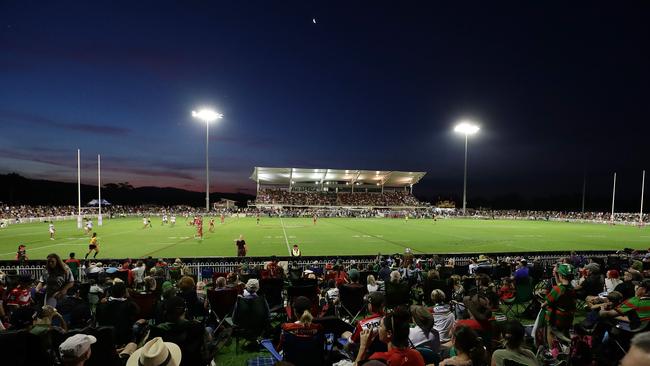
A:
(466, 128)
(207, 115)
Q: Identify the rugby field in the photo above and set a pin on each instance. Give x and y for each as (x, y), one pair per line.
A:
(120, 238)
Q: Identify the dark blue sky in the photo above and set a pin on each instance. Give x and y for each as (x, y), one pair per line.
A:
(558, 90)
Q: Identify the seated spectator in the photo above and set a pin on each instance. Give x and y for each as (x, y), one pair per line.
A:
(156, 353)
(76, 350)
(303, 327)
(251, 288)
(48, 318)
(593, 282)
(423, 334)
(150, 284)
(397, 292)
(639, 353)
(478, 307)
(513, 333)
(220, 283)
(75, 310)
(376, 302)
(394, 332)
(187, 291)
(443, 317)
(118, 311)
(626, 288)
(640, 303)
(507, 290)
(522, 272)
(612, 280)
(458, 291)
(21, 295)
(372, 284)
(468, 347)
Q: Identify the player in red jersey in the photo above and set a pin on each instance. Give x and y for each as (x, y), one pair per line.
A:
(199, 227)
(223, 218)
(315, 218)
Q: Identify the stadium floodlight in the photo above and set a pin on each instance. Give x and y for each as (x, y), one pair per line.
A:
(207, 115)
(467, 128)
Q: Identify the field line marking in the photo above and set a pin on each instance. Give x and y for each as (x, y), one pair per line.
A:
(285, 235)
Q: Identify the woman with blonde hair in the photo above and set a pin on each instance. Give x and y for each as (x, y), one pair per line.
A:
(372, 284)
(303, 326)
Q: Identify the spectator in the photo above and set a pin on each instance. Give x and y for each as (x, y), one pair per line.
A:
(372, 285)
(592, 284)
(150, 284)
(376, 302)
(384, 272)
(120, 312)
(394, 331)
(156, 353)
(220, 283)
(468, 347)
(74, 264)
(75, 310)
(48, 318)
(423, 334)
(639, 353)
(76, 350)
(21, 295)
(187, 291)
(56, 279)
(303, 327)
(138, 274)
(559, 307)
(507, 290)
(522, 272)
(252, 286)
(513, 334)
(626, 288)
(612, 280)
(443, 317)
(640, 303)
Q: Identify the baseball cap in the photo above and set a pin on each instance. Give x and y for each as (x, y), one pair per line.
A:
(76, 346)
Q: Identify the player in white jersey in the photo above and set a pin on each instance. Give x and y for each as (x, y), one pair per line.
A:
(172, 221)
(144, 222)
(89, 226)
(164, 219)
(52, 231)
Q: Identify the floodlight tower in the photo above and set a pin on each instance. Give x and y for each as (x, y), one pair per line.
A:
(467, 128)
(207, 115)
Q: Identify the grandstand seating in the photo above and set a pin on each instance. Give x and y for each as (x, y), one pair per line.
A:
(361, 199)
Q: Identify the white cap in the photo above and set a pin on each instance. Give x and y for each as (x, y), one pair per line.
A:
(76, 346)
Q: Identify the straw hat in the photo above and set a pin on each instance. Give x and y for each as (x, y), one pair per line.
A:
(156, 353)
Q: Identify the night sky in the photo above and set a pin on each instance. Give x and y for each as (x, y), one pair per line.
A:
(559, 91)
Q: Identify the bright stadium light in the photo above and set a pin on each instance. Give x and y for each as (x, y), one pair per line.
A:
(207, 115)
(467, 128)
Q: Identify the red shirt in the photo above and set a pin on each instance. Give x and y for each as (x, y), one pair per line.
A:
(399, 357)
(299, 330)
(367, 323)
(19, 296)
(471, 323)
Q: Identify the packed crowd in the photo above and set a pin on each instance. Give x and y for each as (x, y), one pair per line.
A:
(394, 198)
(550, 215)
(396, 310)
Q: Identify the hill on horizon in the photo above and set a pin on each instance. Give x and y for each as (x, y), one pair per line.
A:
(16, 189)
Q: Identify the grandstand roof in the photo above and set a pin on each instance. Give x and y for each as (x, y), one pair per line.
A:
(283, 176)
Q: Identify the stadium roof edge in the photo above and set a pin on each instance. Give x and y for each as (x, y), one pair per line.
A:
(284, 176)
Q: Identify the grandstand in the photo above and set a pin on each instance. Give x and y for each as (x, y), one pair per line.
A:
(337, 188)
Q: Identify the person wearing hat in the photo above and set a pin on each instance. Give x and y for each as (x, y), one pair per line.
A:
(559, 306)
(423, 333)
(376, 303)
(156, 353)
(76, 350)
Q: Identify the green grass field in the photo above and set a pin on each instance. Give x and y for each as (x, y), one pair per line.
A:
(121, 238)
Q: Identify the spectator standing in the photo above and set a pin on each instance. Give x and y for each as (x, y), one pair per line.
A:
(55, 279)
(74, 264)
